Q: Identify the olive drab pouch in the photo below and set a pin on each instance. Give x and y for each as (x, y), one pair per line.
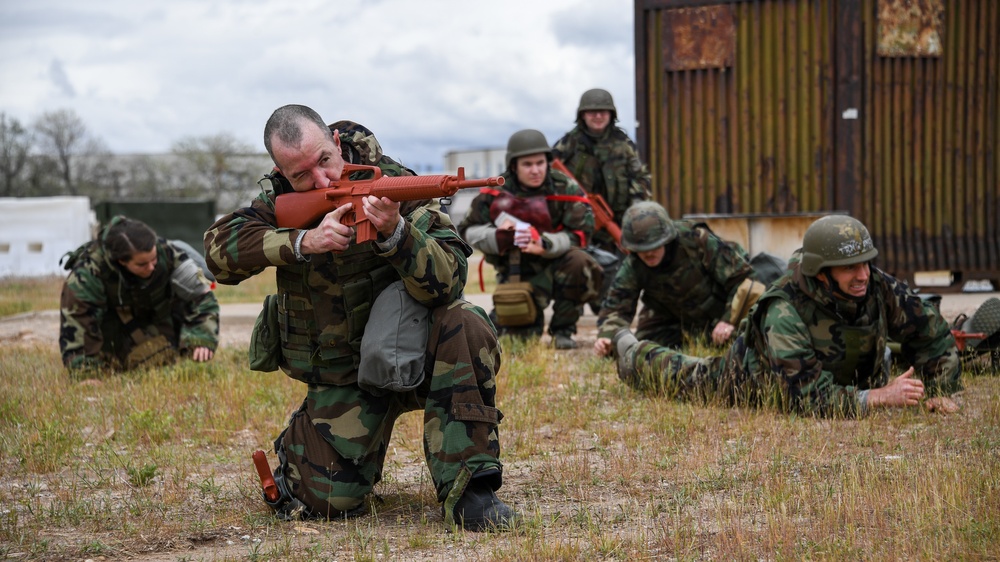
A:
(514, 304)
(265, 340)
(151, 352)
(395, 342)
(514, 301)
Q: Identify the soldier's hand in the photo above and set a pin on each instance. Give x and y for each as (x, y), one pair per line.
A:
(602, 347)
(201, 354)
(383, 214)
(941, 404)
(722, 332)
(330, 235)
(903, 390)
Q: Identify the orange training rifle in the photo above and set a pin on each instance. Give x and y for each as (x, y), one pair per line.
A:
(302, 209)
(603, 216)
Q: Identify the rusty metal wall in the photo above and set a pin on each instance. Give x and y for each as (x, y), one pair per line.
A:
(811, 107)
(930, 191)
(751, 134)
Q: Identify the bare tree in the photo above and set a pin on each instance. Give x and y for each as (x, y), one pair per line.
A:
(59, 135)
(15, 141)
(224, 167)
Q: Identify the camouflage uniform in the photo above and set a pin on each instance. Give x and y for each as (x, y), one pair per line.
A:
(607, 165)
(565, 273)
(691, 290)
(110, 318)
(805, 350)
(333, 450)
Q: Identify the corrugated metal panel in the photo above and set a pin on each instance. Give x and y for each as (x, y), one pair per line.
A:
(807, 116)
(930, 188)
(750, 137)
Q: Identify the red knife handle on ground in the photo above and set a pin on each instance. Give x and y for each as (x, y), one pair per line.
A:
(266, 478)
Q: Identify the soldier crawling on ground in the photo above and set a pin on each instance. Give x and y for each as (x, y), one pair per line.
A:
(135, 300)
(689, 281)
(816, 341)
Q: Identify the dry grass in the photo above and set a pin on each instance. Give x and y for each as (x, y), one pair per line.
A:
(155, 465)
(19, 295)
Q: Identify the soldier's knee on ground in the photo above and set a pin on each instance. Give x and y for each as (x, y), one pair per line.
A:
(316, 474)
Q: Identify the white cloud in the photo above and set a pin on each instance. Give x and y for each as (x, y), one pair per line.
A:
(427, 77)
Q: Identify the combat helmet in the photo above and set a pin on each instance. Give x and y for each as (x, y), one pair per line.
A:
(647, 226)
(596, 99)
(835, 240)
(525, 142)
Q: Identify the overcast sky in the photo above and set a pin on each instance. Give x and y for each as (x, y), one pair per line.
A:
(426, 76)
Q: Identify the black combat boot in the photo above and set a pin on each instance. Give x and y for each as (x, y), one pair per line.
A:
(479, 509)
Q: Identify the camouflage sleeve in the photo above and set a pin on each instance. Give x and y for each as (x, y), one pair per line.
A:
(246, 242)
(640, 180)
(431, 257)
(81, 311)
(792, 358)
(925, 338)
(200, 322)
(562, 149)
(619, 307)
(727, 263)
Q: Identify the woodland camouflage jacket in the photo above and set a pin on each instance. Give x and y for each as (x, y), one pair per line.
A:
(608, 166)
(323, 303)
(825, 353)
(693, 286)
(103, 304)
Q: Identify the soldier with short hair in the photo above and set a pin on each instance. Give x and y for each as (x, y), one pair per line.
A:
(816, 341)
(685, 276)
(606, 162)
(337, 323)
(133, 300)
(535, 228)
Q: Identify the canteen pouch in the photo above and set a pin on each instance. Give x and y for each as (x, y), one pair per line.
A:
(395, 343)
(265, 341)
(514, 304)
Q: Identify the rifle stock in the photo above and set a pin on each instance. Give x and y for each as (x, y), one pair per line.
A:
(604, 217)
(302, 209)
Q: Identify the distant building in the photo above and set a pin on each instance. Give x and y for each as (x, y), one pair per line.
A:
(478, 163)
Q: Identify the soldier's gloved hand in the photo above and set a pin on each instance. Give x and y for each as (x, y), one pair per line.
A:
(505, 240)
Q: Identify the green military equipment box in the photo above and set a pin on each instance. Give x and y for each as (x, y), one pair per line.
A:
(185, 220)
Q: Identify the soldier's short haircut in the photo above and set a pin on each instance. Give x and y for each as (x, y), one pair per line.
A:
(286, 124)
(126, 237)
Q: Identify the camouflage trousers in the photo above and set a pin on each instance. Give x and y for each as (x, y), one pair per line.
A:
(665, 371)
(568, 282)
(332, 452)
(666, 332)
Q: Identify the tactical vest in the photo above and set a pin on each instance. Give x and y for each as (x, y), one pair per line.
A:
(681, 288)
(133, 303)
(324, 304)
(600, 169)
(856, 359)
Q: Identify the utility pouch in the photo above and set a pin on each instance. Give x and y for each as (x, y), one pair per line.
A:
(514, 301)
(514, 304)
(265, 340)
(395, 343)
